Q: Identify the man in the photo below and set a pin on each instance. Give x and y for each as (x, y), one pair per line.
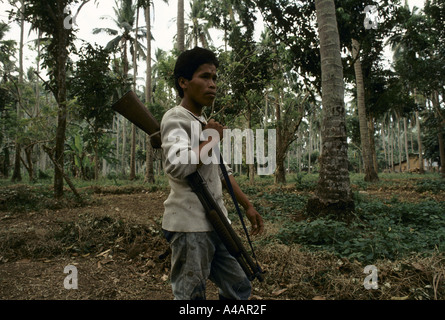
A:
(197, 252)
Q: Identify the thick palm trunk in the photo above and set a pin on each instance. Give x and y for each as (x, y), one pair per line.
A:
(124, 121)
(333, 193)
(61, 129)
(17, 175)
(133, 127)
(62, 57)
(370, 173)
(149, 170)
(180, 26)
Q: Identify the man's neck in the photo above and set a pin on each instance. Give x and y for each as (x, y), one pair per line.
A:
(196, 110)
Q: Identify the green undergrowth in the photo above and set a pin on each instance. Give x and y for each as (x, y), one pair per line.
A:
(378, 229)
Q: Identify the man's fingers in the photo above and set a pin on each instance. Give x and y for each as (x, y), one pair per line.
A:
(212, 124)
(257, 226)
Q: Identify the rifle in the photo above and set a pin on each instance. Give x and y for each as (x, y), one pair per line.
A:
(134, 110)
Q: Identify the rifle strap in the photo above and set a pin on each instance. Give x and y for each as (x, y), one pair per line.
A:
(153, 134)
(232, 194)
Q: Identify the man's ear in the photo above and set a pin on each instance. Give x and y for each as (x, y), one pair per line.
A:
(183, 82)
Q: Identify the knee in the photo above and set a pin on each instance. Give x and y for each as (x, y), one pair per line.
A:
(244, 289)
(240, 291)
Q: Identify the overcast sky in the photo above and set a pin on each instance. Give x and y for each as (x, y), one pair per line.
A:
(163, 25)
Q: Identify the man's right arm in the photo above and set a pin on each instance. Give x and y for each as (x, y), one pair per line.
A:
(181, 157)
(179, 161)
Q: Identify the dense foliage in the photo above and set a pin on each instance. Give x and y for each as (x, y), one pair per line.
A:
(269, 78)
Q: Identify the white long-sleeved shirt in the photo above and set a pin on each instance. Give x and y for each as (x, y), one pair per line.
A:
(183, 210)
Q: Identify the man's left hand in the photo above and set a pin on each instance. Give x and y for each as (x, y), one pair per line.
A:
(256, 221)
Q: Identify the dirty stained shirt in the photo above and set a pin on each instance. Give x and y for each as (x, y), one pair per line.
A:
(183, 212)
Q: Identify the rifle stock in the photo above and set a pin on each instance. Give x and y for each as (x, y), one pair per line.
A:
(134, 110)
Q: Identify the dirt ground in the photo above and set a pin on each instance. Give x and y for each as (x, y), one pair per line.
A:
(114, 242)
(109, 271)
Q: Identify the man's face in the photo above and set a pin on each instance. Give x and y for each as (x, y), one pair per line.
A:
(201, 89)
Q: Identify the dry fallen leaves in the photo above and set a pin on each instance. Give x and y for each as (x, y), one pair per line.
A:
(278, 292)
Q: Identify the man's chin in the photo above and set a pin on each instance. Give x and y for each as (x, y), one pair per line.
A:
(208, 103)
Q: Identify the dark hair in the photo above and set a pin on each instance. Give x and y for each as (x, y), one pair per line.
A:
(189, 61)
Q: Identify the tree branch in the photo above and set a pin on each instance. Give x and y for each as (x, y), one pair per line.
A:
(78, 10)
(48, 86)
(49, 152)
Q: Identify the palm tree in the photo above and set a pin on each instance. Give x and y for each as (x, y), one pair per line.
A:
(7, 66)
(198, 29)
(16, 175)
(333, 193)
(180, 45)
(402, 54)
(125, 12)
(370, 171)
(149, 174)
(133, 126)
(127, 35)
